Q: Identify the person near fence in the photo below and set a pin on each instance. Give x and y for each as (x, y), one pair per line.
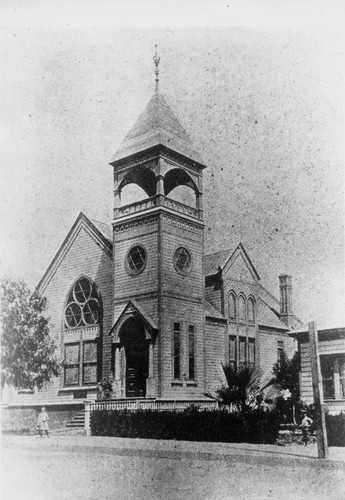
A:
(305, 424)
(42, 423)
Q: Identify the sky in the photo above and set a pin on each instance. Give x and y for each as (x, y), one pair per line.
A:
(259, 90)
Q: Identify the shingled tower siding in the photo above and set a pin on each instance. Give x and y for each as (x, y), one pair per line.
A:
(158, 254)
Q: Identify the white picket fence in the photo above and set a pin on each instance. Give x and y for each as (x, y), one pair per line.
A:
(146, 404)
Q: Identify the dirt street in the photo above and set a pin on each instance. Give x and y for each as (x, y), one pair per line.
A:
(41, 469)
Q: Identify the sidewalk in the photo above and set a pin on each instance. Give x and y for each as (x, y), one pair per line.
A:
(245, 452)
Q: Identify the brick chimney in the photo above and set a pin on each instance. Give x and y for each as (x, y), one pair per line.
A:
(285, 287)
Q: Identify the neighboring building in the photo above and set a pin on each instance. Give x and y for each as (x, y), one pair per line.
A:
(130, 299)
(332, 361)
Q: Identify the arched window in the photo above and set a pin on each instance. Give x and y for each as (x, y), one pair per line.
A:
(80, 351)
(251, 310)
(241, 308)
(82, 305)
(232, 305)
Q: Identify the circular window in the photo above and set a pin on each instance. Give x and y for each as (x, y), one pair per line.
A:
(82, 305)
(182, 261)
(136, 259)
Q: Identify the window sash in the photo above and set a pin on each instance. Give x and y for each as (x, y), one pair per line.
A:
(232, 351)
(191, 352)
(251, 353)
(177, 351)
(79, 372)
(242, 354)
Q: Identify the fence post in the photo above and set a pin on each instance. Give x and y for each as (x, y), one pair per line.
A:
(87, 417)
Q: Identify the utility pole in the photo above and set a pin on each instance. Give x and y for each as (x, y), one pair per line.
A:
(322, 446)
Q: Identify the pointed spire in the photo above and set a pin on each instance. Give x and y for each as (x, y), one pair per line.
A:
(156, 60)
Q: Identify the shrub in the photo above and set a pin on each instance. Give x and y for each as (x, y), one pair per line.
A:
(256, 426)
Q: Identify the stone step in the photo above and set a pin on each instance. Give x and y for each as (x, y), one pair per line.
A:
(77, 421)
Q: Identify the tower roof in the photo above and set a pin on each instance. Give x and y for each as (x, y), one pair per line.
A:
(157, 125)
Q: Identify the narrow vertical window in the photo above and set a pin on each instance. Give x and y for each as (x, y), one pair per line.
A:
(242, 361)
(177, 351)
(251, 353)
(280, 349)
(232, 351)
(251, 310)
(241, 309)
(191, 352)
(232, 306)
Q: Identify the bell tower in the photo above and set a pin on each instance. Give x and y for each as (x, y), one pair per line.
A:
(158, 244)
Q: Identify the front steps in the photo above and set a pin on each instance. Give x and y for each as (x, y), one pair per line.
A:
(78, 421)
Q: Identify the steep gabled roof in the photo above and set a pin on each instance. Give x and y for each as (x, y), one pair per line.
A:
(157, 125)
(129, 307)
(97, 229)
(269, 317)
(218, 260)
(212, 312)
(105, 229)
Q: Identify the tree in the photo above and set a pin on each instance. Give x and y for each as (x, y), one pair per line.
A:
(28, 356)
(286, 372)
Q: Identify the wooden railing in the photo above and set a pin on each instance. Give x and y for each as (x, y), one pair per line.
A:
(161, 200)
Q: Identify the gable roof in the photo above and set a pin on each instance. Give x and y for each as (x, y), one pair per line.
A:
(105, 229)
(133, 304)
(157, 125)
(212, 312)
(99, 235)
(218, 260)
(269, 317)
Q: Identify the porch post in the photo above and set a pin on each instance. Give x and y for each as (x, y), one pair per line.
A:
(87, 417)
(117, 372)
(150, 383)
(151, 359)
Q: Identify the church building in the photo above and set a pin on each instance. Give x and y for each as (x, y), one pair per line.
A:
(139, 299)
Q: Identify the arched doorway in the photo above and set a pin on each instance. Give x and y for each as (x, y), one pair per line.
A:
(136, 347)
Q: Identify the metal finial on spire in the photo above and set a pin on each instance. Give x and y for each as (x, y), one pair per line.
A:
(156, 60)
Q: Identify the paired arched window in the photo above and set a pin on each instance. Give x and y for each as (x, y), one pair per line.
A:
(80, 351)
(241, 309)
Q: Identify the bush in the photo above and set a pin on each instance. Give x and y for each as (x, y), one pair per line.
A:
(335, 425)
(256, 426)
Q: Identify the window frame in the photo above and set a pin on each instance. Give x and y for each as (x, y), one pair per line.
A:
(71, 365)
(251, 301)
(191, 333)
(177, 351)
(129, 270)
(72, 299)
(337, 378)
(89, 363)
(187, 271)
(232, 295)
(280, 350)
(242, 299)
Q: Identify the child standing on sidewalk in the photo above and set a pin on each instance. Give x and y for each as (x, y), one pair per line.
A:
(42, 422)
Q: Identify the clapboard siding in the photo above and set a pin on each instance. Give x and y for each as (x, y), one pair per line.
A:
(84, 257)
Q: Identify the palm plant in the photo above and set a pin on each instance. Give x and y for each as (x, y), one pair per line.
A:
(246, 388)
